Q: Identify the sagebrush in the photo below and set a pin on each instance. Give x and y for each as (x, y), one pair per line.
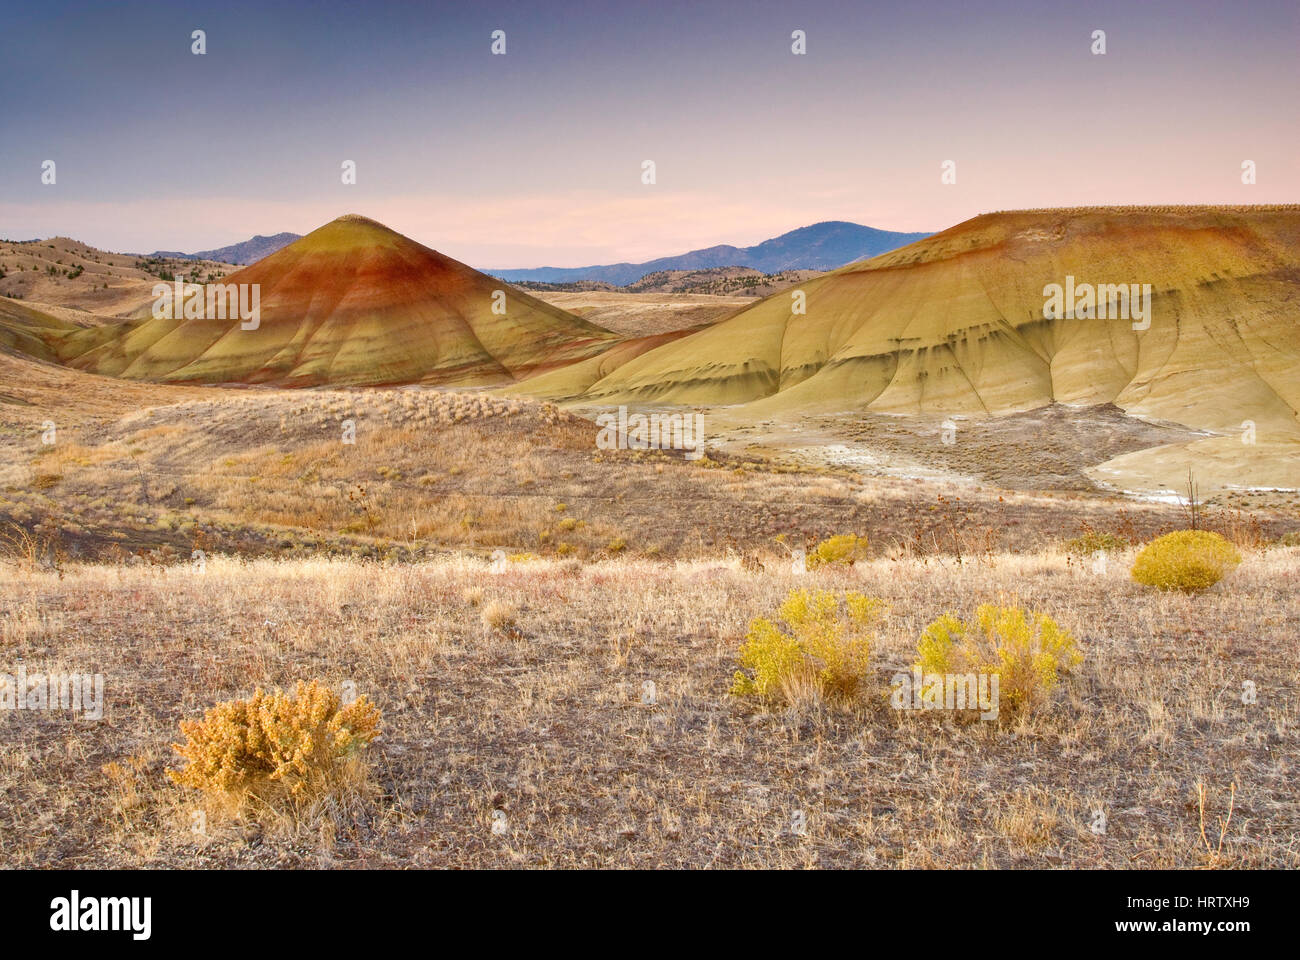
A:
(824, 649)
(844, 549)
(277, 748)
(1028, 651)
(1188, 560)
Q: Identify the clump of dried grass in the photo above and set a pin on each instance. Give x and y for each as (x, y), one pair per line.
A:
(499, 615)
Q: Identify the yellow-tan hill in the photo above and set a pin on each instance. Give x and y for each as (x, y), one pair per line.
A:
(572, 381)
(26, 331)
(956, 324)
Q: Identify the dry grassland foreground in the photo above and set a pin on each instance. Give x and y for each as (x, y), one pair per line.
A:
(560, 713)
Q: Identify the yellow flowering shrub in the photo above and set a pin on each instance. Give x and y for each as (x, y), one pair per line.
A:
(1027, 651)
(826, 644)
(273, 744)
(1190, 560)
(844, 549)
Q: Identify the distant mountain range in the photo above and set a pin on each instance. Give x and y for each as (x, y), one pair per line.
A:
(250, 251)
(822, 246)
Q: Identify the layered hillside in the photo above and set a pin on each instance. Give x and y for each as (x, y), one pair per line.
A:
(352, 303)
(26, 332)
(956, 323)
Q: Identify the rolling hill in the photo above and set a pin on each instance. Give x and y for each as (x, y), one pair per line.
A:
(352, 303)
(61, 274)
(956, 324)
(822, 246)
(26, 332)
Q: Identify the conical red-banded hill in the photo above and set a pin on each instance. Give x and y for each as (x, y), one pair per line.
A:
(352, 303)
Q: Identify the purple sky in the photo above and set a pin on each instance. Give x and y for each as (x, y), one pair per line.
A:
(534, 158)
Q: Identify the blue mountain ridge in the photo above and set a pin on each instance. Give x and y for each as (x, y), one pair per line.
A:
(821, 246)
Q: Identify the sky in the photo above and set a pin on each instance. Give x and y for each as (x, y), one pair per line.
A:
(535, 157)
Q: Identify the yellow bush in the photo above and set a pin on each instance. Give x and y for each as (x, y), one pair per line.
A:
(1027, 652)
(274, 746)
(826, 647)
(1190, 560)
(845, 549)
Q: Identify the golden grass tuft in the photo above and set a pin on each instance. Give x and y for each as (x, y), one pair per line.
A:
(499, 614)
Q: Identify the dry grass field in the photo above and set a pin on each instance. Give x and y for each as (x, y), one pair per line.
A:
(268, 473)
(503, 589)
(514, 699)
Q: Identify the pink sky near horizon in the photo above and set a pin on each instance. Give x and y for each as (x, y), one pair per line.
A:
(534, 159)
(577, 228)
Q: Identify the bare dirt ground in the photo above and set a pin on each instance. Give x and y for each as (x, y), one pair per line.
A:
(516, 698)
(1057, 447)
(1044, 449)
